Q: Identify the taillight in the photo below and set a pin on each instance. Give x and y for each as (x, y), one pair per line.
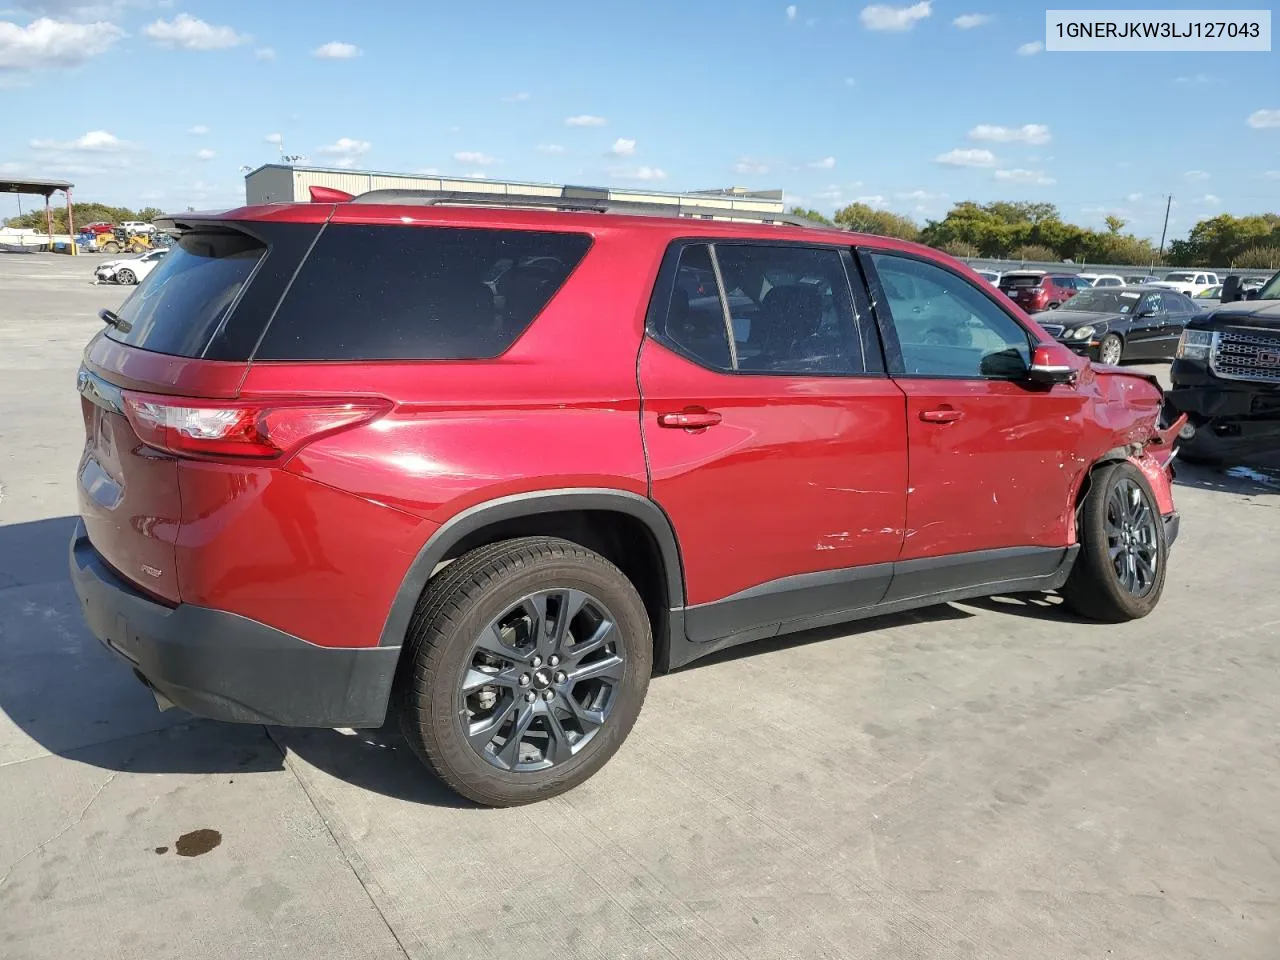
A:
(263, 430)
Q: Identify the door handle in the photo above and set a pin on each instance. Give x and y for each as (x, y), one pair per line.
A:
(689, 419)
(941, 415)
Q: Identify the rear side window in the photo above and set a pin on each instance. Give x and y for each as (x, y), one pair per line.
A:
(181, 303)
(418, 293)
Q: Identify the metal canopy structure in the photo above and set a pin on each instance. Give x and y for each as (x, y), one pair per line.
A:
(46, 189)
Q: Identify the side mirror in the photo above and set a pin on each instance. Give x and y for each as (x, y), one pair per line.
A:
(1231, 291)
(1053, 363)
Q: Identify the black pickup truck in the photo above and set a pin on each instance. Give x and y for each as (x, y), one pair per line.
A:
(1226, 376)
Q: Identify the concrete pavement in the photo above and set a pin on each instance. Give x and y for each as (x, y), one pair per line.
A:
(980, 780)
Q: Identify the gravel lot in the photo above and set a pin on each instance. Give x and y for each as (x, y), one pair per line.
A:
(977, 780)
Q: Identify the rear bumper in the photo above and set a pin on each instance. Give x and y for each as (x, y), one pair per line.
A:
(227, 667)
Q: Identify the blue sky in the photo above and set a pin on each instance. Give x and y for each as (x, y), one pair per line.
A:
(896, 104)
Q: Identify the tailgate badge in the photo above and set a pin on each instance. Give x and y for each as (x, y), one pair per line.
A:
(151, 571)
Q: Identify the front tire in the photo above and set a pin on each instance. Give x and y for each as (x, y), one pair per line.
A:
(526, 664)
(1111, 350)
(1120, 569)
(126, 277)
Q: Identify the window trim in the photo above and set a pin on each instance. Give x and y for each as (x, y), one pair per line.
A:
(889, 333)
(664, 289)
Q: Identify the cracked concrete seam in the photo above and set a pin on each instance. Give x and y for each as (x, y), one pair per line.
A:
(44, 843)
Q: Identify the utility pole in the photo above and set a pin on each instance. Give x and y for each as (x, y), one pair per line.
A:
(1165, 229)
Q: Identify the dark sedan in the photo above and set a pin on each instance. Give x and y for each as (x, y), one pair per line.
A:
(1121, 323)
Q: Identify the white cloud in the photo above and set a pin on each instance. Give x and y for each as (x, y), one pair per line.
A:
(826, 163)
(1196, 78)
(791, 13)
(346, 163)
(961, 157)
(336, 50)
(275, 138)
(346, 147)
(1195, 175)
(1134, 197)
(919, 196)
(1272, 174)
(264, 53)
(622, 148)
(1210, 200)
(550, 148)
(874, 200)
(1031, 49)
(750, 168)
(199, 129)
(967, 21)
(205, 154)
(95, 141)
(477, 175)
(476, 157)
(850, 82)
(638, 173)
(585, 120)
(47, 43)
(521, 97)
(1261, 119)
(1035, 134)
(881, 16)
(1034, 177)
(186, 32)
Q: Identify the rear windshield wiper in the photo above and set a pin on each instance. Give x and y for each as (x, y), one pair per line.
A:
(108, 316)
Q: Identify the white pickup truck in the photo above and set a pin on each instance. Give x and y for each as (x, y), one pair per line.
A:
(1189, 282)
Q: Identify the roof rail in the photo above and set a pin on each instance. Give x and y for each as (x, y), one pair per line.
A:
(679, 210)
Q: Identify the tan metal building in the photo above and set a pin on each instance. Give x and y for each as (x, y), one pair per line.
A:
(282, 183)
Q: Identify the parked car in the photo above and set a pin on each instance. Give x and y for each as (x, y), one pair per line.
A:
(1189, 282)
(1121, 323)
(1034, 290)
(991, 276)
(1209, 297)
(129, 270)
(1226, 377)
(100, 226)
(137, 226)
(494, 522)
(1103, 279)
(1140, 280)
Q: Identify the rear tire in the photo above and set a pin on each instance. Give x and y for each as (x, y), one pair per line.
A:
(568, 728)
(1120, 569)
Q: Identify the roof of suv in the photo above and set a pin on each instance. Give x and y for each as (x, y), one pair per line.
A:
(522, 217)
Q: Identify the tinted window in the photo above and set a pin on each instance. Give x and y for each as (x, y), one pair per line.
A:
(1155, 302)
(695, 318)
(790, 309)
(946, 326)
(1023, 280)
(180, 304)
(418, 293)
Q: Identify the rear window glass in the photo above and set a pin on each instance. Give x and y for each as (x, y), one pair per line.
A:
(1021, 281)
(418, 293)
(179, 305)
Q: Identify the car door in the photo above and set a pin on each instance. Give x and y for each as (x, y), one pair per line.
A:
(1147, 322)
(991, 466)
(778, 450)
(1178, 310)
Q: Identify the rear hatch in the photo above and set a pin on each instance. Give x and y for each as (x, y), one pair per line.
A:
(1022, 287)
(183, 331)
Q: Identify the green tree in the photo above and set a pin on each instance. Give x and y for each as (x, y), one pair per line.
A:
(1036, 252)
(1258, 258)
(83, 213)
(865, 219)
(811, 215)
(1218, 240)
(1114, 224)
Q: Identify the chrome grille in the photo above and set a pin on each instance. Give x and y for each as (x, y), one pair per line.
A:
(1053, 329)
(1246, 355)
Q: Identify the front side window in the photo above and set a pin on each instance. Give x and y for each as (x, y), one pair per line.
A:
(788, 309)
(946, 326)
(1153, 303)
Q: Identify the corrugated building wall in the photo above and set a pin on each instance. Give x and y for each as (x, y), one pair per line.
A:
(279, 183)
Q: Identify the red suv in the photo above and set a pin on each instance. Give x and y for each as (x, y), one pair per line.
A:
(488, 468)
(1034, 290)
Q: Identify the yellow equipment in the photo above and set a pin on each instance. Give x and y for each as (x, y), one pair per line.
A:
(118, 241)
